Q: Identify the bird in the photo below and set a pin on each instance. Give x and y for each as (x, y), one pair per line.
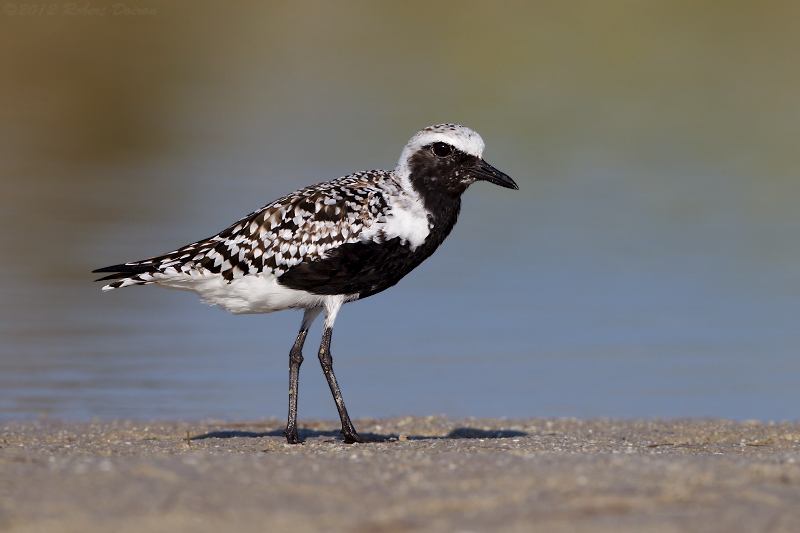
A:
(328, 244)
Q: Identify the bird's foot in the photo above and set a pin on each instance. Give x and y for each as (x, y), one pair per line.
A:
(351, 437)
(291, 436)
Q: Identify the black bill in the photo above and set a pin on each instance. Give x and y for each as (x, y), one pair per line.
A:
(484, 171)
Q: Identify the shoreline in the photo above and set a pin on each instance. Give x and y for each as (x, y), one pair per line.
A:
(434, 474)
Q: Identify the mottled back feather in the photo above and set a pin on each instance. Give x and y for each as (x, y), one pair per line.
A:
(302, 226)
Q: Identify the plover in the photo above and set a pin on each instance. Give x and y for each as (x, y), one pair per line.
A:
(329, 244)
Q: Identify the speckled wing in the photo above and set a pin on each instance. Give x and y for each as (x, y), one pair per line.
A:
(302, 226)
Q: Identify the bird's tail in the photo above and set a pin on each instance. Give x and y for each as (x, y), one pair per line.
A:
(127, 274)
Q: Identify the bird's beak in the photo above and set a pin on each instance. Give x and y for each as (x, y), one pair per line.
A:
(484, 171)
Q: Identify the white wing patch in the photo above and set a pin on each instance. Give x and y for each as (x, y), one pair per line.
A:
(406, 220)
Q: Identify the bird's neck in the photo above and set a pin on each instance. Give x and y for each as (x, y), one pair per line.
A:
(441, 201)
(443, 213)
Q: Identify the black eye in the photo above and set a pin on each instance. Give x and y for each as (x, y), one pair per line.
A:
(441, 149)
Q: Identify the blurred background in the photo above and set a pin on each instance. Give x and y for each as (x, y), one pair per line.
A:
(648, 266)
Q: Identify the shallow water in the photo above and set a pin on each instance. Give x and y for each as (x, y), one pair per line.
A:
(648, 266)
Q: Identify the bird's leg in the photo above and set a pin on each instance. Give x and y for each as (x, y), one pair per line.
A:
(295, 360)
(326, 360)
(332, 306)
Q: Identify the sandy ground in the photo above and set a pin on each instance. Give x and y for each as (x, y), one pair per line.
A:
(434, 474)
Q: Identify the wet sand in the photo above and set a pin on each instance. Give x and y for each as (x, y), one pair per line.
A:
(434, 474)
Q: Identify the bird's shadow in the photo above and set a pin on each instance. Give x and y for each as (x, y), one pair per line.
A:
(474, 433)
(457, 433)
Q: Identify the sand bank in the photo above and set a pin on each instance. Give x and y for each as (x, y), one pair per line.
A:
(435, 474)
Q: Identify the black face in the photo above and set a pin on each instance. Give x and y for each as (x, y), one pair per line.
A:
(442, 169)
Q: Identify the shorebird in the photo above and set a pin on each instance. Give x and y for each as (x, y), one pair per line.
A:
(328, 244)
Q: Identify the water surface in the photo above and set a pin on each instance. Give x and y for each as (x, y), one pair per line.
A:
(648, 266)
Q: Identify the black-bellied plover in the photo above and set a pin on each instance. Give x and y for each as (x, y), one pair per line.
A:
(329, 244)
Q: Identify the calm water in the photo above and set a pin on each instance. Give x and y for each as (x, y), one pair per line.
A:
(648, 266)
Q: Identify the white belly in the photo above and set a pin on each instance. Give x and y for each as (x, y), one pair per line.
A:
(254, 293)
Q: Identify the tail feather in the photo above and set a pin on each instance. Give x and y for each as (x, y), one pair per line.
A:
(125, 270)
(126, 274)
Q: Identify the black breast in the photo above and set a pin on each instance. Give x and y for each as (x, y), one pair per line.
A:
(367, 268)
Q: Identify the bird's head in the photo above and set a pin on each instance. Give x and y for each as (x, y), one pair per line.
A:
(447, 158)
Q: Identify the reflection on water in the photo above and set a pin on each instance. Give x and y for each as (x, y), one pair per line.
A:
(648, 265)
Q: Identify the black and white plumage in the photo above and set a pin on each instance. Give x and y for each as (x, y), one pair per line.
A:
(329, 244)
